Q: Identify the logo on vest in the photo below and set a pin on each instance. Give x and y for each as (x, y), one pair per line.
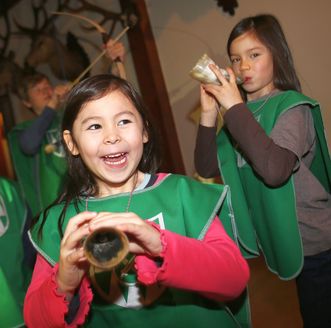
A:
(4, 220)
(53, 138)
(240, 160)
(126, 291)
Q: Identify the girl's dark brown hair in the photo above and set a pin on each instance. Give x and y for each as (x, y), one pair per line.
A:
(80, 182)
(269, 31)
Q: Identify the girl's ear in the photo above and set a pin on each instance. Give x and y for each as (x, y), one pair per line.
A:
(70, 143)
(145, 136)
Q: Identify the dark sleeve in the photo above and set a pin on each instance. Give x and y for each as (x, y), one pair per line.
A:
(72, 309)
(205, 153)
(30, 253)
(271, 162)
(31, 138)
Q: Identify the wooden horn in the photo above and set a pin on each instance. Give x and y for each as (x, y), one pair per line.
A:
(105, 248)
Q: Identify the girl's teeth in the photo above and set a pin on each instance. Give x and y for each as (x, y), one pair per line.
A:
(114, 156)
(115, 160)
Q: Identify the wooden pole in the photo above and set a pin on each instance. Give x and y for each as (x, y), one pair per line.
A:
(152, 85)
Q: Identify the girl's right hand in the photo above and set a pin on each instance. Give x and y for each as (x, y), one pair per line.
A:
(72, 262)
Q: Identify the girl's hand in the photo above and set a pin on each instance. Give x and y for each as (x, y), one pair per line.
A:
(143, 238)
(227, 94)
(72, 262)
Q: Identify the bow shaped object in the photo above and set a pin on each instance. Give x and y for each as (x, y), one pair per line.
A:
(105, 38)
(49, 149)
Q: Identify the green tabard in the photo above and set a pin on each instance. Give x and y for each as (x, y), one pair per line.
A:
(14, 278)
(40, 176)
(177, 204)
(265, 212)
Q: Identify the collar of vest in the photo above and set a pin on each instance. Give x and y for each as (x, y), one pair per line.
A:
(175, 203)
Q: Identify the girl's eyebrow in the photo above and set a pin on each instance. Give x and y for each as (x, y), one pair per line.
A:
(249, 50)
(85, 120)
(96, 117)
(256, 48)
(125, 112)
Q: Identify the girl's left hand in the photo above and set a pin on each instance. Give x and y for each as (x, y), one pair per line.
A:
(227, 94)
(143, 237)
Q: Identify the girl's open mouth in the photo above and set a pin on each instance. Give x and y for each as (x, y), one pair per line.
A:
(115, 159)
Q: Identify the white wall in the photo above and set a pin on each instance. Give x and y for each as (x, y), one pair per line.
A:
(186, 29)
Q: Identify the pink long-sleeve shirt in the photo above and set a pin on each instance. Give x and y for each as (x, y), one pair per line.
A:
(215, 268)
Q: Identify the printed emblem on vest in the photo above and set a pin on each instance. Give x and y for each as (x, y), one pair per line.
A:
(4, 220)
(53, 138)
(126, 291)
(240, 160)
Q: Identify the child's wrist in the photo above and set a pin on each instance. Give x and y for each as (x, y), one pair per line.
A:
(68, 296)
(64, 290)
(208, 118)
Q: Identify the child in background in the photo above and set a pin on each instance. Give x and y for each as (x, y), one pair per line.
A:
(186, 266)
(37, 154)
(272, 153)
(36, 149)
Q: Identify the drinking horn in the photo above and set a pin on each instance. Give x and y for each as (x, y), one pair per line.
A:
(105, 248)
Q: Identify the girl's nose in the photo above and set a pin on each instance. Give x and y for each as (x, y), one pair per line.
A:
(244, 65)
(112, 138)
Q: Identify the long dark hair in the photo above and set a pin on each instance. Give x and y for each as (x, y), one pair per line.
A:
(269, 31)
(80, 182)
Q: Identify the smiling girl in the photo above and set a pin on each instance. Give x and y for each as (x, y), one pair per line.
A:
(185, 265)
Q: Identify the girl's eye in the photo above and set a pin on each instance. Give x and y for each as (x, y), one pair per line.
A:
(254, 55)
(235, 60)
(124, 122)
(94, 127)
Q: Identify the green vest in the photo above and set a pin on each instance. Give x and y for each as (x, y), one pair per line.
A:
(178, 204)
(40, 176)
(14, 278)
(265, 212)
